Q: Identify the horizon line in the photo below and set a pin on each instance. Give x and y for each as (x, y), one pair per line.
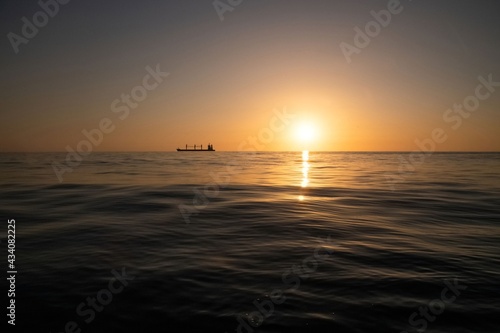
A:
(263, 151)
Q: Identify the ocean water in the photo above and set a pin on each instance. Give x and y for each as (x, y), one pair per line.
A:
(265, 242)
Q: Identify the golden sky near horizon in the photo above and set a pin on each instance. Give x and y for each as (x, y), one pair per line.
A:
(227, 78)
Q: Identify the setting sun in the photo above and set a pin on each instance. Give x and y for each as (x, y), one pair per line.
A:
(306, 132)
(202, 161)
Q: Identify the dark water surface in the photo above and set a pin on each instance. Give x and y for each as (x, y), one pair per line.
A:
(282, 241)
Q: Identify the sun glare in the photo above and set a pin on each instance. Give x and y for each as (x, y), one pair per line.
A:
(305, 132)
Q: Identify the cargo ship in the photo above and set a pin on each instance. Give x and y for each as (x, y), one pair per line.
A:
(197, 148)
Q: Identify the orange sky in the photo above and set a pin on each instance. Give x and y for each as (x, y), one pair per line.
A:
(226, 77)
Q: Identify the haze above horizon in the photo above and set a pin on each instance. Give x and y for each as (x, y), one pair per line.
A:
(370, 76)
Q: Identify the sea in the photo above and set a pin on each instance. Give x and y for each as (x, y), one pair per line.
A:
(252, 242)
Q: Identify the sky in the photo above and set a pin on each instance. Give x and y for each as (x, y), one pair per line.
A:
(234, 65)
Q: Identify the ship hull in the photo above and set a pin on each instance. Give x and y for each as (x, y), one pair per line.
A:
(178, 149)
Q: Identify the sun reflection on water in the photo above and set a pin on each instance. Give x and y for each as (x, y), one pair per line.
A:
(305, 168)
(305, 172)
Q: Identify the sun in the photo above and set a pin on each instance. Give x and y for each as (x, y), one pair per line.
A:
(305, 132)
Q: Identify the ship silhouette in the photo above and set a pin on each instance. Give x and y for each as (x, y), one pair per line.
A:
(197, 148)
